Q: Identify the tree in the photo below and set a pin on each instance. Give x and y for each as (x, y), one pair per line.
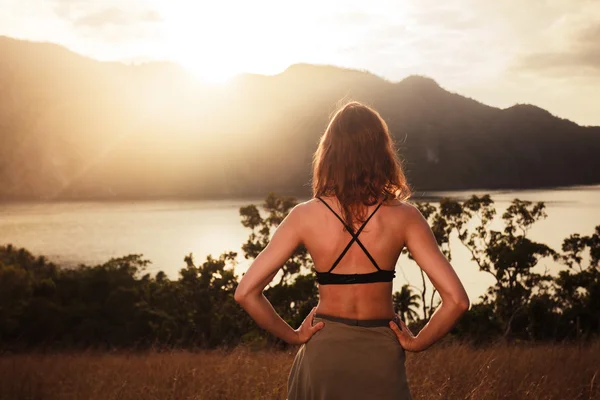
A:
(277, 208)
(118, 304)
(211, 316)
(295, 293)
(441, 231)
(405, 303)
(578, 287)
(15, 294)
(508, 255)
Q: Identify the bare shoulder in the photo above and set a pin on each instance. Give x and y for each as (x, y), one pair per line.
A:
(405, 210)
(305, 207)
(302, 211)
(399, 210)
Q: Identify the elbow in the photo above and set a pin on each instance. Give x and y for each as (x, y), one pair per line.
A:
(243, 295)
(457, 304)
(463, 304)
(240, 295)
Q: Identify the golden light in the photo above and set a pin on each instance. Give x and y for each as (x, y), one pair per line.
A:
(207, 72)
(216, 43)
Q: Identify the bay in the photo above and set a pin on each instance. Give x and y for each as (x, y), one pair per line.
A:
(89, 232)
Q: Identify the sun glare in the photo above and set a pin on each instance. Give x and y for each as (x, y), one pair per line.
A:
(198, 42)
(215, 44)
(206, 73)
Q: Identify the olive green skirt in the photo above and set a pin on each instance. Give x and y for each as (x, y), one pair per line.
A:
(349, 359)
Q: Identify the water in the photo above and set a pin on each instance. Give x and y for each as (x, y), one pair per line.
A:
(165, 231)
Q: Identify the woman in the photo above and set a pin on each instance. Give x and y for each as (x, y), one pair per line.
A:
(353, 346)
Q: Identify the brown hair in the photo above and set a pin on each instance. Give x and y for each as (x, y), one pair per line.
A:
(357, 162)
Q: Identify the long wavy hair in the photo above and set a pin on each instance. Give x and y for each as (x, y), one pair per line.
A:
(357, 162)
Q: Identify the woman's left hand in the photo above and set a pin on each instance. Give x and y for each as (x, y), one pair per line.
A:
(407, 340)
(307, 329)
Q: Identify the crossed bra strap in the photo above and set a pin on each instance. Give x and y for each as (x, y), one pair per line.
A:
(354, 237)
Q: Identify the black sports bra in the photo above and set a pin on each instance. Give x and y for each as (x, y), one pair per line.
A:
(381, 275)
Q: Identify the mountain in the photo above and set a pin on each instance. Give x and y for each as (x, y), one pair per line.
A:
(73, 127)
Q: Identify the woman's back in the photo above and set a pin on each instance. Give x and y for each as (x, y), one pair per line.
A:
(354, 349)
(325, 238)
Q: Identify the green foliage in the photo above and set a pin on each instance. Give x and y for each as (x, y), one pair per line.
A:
(295, 293)
(479, 324)
(523, 303)
(578, 287)
(277, 208)
(15, 293)
(441, 231)
(116, 305)
(119, 304)
(508, 255)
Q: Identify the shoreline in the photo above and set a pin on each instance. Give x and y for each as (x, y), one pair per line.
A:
(417, 194)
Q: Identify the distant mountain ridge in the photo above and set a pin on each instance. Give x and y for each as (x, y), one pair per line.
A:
(72, 127)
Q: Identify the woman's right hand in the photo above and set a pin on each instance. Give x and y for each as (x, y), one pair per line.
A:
(307, 329)
(407, 340)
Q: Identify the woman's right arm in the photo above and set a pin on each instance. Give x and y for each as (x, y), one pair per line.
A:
(423, 247)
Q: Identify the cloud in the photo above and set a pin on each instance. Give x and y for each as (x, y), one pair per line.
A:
(581, 56)
(115, 16)
(110, 21)
(591, 34)
(447, 17)
(439, 40)
(87, 15)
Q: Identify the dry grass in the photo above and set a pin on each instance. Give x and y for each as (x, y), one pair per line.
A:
(566, 372)
(450, 372)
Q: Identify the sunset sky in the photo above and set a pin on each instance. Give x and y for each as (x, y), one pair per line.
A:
(499, 52)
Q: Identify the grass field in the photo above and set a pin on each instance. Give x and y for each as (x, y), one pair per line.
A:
(451, 372)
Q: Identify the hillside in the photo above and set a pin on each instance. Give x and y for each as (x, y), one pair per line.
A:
(73, 127)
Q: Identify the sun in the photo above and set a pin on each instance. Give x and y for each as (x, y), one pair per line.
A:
(216, 44)
(206, 72)
(198, 41)
(211, 60)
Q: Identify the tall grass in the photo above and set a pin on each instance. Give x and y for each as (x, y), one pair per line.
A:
(443, 372)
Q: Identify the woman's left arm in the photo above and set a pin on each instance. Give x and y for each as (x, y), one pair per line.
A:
(249, 293)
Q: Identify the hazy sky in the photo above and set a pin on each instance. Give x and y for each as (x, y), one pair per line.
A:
(499, 52)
